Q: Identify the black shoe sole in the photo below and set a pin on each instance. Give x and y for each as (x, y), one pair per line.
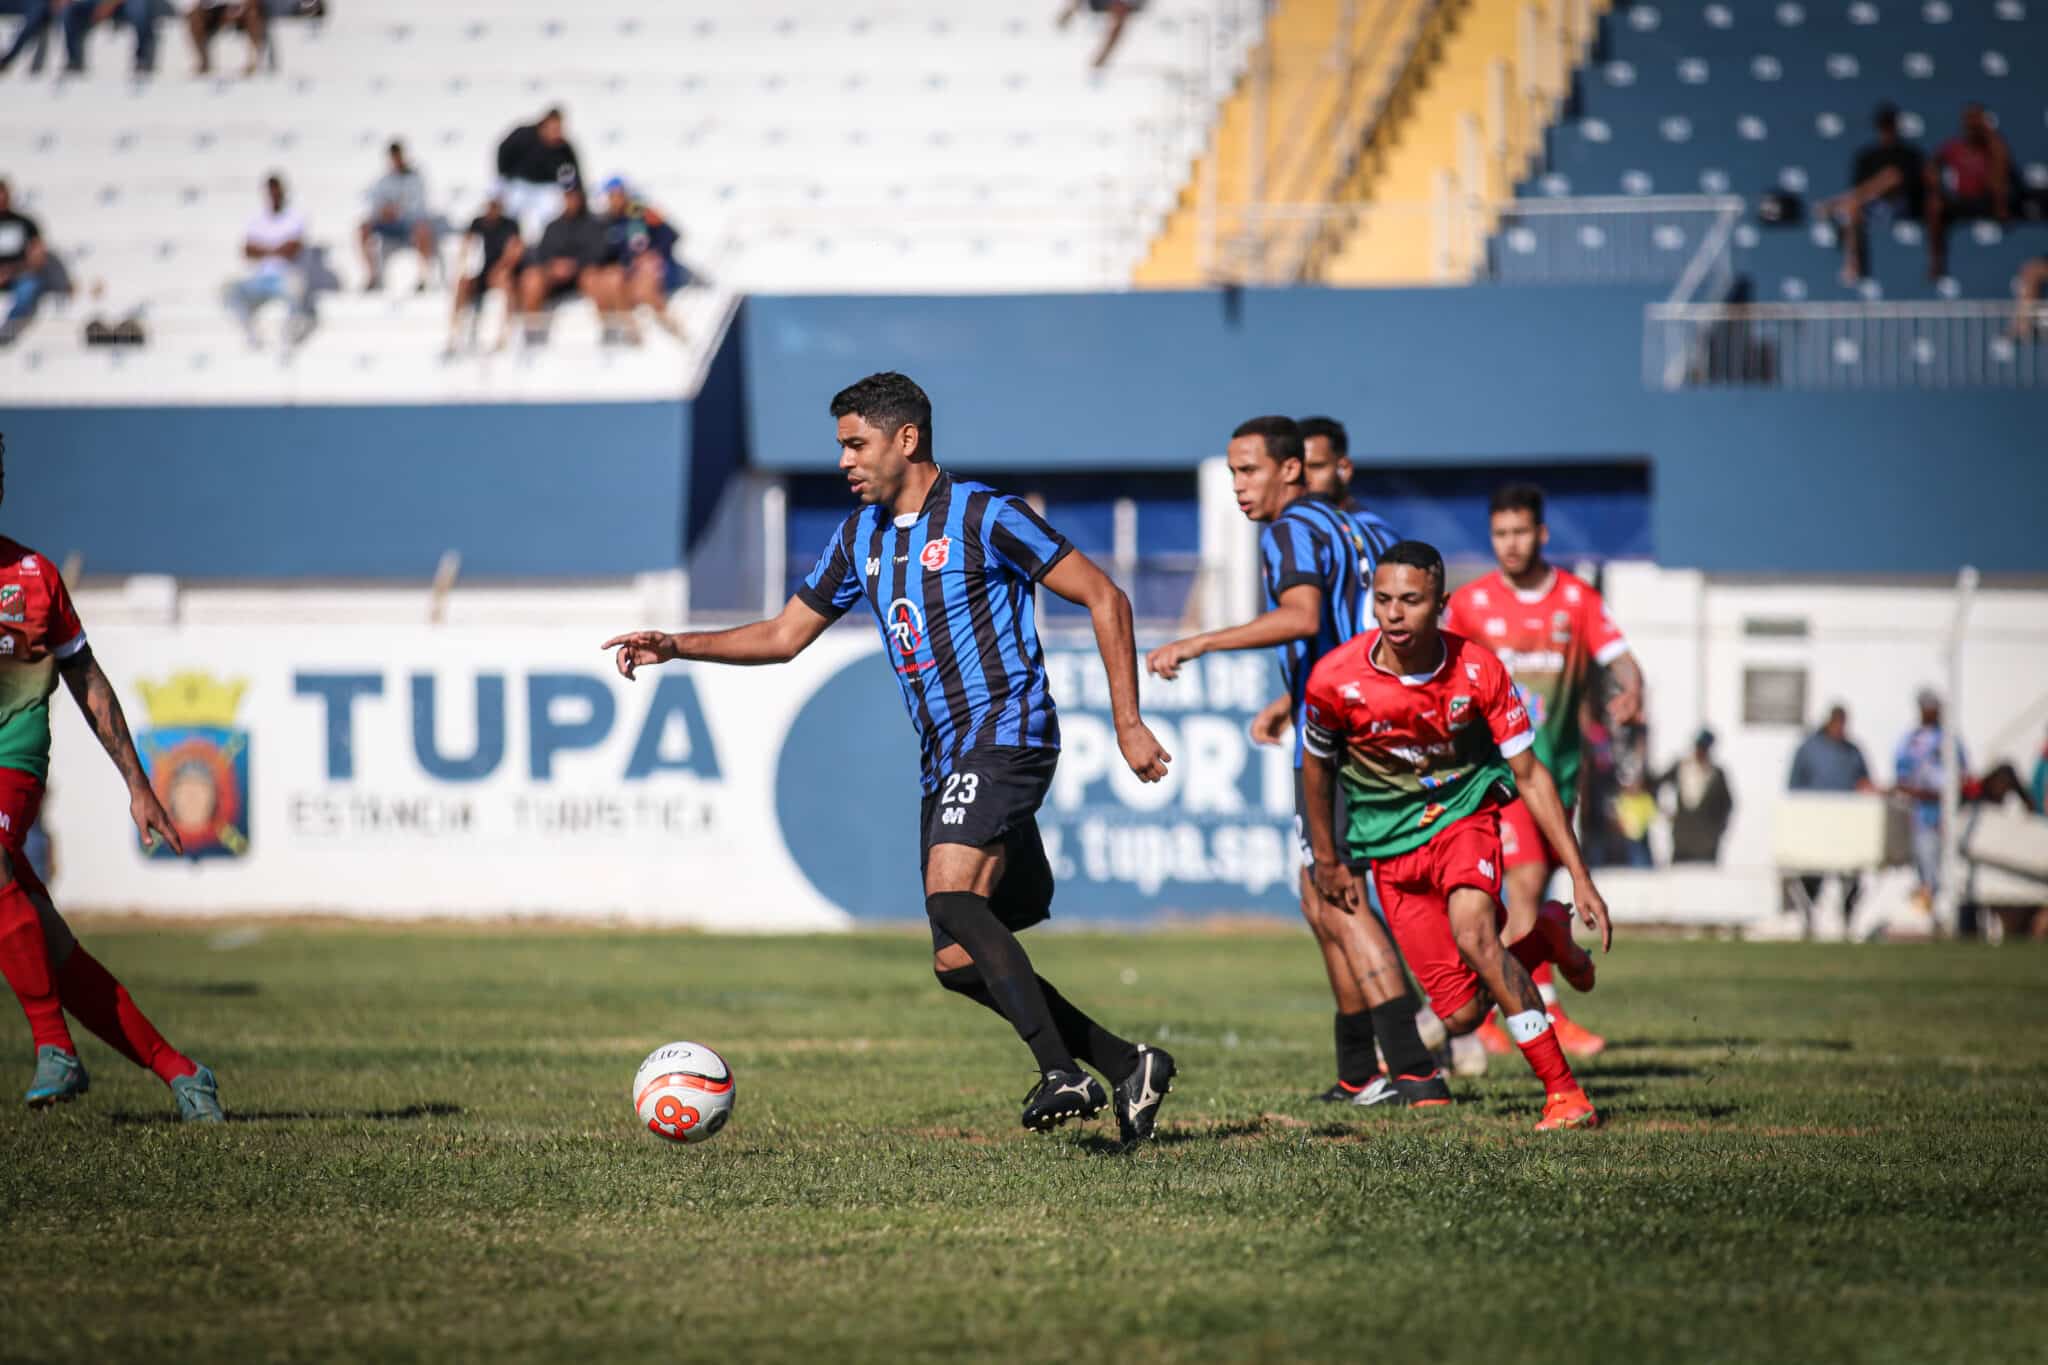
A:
(1047, 1120)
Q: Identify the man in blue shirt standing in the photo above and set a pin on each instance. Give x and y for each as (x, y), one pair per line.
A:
(1919, 764)
(1828, 761)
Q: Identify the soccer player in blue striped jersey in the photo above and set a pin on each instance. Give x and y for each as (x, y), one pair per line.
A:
(1315, 600)
(948, 567)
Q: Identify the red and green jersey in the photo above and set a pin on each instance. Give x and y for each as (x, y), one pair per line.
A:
(1417, 752)
(1550, 639)
(39, 629)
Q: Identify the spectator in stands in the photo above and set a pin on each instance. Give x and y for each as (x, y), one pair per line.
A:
(398, 217)
(1828, 761)
(497, 249)
(1119, 12)
(24, 266)
(204, 18)
(537, 164)
(1970, 178)
(569, 259)
(1919, 763)
(35, 28)
(81, 15)
(275, 243)
(1885, 182)
(642, 245)
(1704, 803)
(2026, 293)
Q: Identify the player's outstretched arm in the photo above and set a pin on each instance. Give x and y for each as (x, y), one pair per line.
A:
(774, 641)
(1298, 616)
(1078, 579)
(1626, 706)
(1539, 794)
(1335, 882)
(95, 696)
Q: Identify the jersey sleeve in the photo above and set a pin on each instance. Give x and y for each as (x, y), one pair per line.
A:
(832, 584)
(1022, 541)
(1294, 554)
(1323, 729)
(67, 632)
(1596, 626)
(1506, 715)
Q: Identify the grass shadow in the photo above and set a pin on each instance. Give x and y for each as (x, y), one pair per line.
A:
(222, 989)
(1598, 1071)
(410, 1112)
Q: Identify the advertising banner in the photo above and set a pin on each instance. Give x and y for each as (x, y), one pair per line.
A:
(417, 770)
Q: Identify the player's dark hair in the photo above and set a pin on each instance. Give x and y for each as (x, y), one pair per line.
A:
(1281, 435)
(1885, 118)
(890, 402)
(1518, 497)
(1416, 554)
(1330, 429)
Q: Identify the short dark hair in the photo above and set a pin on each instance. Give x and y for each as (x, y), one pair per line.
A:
(397, 147)
(1518, 497)
(891, 402)
(1885, 117)
(1330, 429)
(1281, 435)
(1417, 554)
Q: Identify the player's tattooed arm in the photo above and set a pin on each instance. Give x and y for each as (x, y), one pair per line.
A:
(775, 641)
(1625, 707)
(1078, 579)
(1298, 616)
(1539, 794)
(101, 707)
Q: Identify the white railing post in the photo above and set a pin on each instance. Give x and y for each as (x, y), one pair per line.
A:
(1948, 886)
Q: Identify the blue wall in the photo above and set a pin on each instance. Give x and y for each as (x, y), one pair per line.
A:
(354, 492)
(1748, 480)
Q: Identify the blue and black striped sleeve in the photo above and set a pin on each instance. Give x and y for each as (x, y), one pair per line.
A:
(832, 584)
(1295, 554)
(1021, 540)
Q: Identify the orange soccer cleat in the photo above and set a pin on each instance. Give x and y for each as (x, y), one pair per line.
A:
(1574, 964)
(1574, 1038)
(1493, 1037)
(1567, 1109)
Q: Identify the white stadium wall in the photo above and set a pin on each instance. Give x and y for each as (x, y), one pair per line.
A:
(349, 757)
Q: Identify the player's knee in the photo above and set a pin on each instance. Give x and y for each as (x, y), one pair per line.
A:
(964, 979)
(951, 958)
(1467, 1016)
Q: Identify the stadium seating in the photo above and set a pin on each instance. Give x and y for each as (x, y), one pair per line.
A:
(802, 145)
(1747, 97)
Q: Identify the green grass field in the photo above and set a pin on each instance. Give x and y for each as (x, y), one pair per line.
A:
(1815, 1153)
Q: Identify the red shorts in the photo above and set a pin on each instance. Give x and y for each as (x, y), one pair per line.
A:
(1415, 888)
(1521, 843)
(21, 801)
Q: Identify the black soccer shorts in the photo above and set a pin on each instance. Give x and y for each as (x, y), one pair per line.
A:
(992, 796)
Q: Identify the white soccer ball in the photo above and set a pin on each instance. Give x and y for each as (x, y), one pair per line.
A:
(683, 1092)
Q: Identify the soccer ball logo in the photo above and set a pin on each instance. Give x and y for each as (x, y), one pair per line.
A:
(683, 1092)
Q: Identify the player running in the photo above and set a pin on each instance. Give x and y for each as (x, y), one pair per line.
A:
(1432, 741)
(50, 971)
(1314, 596)
(1551, 629)
(948, 567)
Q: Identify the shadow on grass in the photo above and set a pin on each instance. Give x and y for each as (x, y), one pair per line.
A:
(1703, 1112)
(1597, 1070)
(229, 989)
(431, 1110)
(1732, 1043)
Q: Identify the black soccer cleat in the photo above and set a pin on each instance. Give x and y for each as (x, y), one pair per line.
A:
(1062, 1095)
(1340, 1093)
(1424, 1092)
(1139, 1095)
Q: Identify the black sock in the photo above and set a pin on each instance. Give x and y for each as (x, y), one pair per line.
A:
(1356, 1062)
(1394, 1023)
(1005, 970)
(1089, 1041)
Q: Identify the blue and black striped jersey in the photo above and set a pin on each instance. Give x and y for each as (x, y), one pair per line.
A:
(1312, 542)
(1373, 536)
(952, 593)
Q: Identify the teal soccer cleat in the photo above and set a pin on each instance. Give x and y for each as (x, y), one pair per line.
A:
(60, 1078)
(198, 1097)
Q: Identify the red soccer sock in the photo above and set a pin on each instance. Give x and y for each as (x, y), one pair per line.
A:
(103, 1005)
(1532, 1032)
(1540, 973)
(25, 962)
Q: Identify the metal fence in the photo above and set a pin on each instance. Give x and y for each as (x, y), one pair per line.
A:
(1932, 345)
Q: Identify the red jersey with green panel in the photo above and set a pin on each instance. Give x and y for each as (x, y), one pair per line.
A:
(1551, 640)
(39, 629)
(1418, 752)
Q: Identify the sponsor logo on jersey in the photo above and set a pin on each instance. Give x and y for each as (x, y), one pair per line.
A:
(1571, 592)
(1380, 727)
(13, 603)
(906, 627)
(1349, 692)
(1533, 660)
(1486, 867)
(935, 553)
(197, 761)
(1561, 627)
(1496, 625)
(1461, 712)
(1472, 672)
(874, 565)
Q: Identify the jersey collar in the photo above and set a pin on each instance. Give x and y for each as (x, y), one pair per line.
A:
(1529, 597)
(1408, 679)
